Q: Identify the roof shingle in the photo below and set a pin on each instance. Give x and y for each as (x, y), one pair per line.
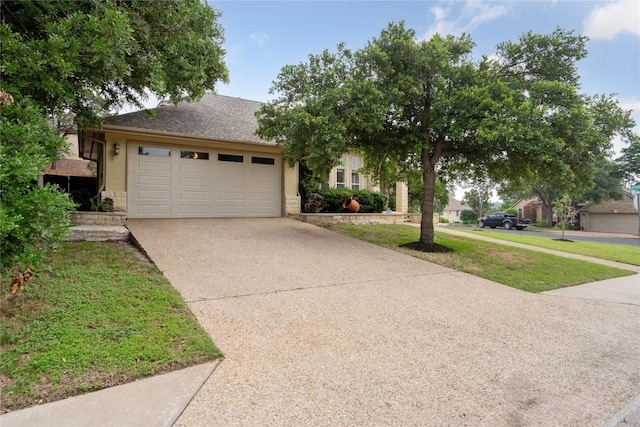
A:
(217, 117)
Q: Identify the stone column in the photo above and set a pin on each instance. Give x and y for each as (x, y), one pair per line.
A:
(402, 197)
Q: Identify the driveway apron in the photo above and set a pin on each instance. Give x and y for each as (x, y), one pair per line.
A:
(321, 329)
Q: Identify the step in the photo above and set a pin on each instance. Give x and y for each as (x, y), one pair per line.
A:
(98, 233)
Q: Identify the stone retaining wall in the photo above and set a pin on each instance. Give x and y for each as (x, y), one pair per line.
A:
(351, 218)
(98, 218)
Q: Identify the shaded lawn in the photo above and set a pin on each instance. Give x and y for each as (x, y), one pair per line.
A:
(619, 253)
(519, 268)
(99, 318)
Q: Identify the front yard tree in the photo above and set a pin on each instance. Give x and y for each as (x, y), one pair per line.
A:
(629, 161)
(81, 59)
(424, 104)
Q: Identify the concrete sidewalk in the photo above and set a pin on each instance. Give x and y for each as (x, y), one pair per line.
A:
(321, 329)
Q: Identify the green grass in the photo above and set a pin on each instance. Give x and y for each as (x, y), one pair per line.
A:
(619, 253)
(101, 317)
(519, 268)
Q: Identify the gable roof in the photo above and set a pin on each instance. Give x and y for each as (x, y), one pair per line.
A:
(218, 117)
(624, 206)
(455, 205)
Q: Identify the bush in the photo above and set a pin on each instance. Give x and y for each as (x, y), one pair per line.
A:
(511, 211)
(370, 201)
(444, 220)
(468, 216)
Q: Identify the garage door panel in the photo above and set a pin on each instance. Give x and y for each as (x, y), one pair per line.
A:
(196, 167)
(186, 181)
(153, 180)
(160, 211)
(154, 194)
(217, 183)
(154, 166)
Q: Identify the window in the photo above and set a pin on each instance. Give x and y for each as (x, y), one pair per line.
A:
(355, 180)
(194, 155)
(356, 163)
(153, 151)
(263, 161)
(230, 158)
(343, 160)
(340, 183)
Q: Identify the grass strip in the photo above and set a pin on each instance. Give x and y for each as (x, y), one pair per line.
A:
(619, 253)
(100, 317)
(519, 268)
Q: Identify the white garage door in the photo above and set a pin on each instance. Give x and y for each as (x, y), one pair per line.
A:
(175, 182)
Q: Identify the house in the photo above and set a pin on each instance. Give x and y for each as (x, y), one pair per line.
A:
(612, 216)
(197, 159)
(530, 209)
(453, 209)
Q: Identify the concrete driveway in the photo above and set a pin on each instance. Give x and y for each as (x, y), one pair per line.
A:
(321, 329)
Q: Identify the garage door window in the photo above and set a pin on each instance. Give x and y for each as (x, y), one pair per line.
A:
(153, 151)
(230, 158)
(194, 155)
(263, 161)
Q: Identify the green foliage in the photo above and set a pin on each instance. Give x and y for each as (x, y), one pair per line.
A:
(443, 220)
(629, 161)
(468, 217)
(519, 268)
(100, 318)
(370, 201)
(511, 211)
(63, 59)
(65, 54)
(425, 105)
(33, 220)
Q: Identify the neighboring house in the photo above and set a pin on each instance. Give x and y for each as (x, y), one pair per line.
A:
(613, 216)
(195, 159)
(453, 209)
(530, 209)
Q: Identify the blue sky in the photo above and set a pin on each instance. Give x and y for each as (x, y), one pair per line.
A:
(263, 36)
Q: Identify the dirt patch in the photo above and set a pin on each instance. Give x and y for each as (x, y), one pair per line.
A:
(424, 247)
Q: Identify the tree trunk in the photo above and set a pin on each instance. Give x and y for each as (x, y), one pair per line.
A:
(549, 208)
(426, 223)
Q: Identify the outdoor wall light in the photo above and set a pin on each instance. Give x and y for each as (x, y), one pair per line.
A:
(116, 148)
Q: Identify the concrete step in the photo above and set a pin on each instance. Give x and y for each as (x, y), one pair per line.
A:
(98, 233)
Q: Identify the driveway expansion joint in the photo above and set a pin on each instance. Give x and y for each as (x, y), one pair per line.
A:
(331, 285)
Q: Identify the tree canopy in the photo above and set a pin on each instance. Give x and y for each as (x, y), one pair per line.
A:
(427, 105)
(79, 59)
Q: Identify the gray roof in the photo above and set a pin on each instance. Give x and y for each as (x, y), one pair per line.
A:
(217, 117)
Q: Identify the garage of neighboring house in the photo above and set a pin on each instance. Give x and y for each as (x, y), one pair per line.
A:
(610, 216)
(194, 159)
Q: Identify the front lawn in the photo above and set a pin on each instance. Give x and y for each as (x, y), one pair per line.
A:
(520, 268)
(619, 253)
(99, 318)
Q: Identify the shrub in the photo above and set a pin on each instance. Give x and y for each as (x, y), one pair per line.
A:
(370, 201)
(511, 211)
(444, 220)
(468, 216)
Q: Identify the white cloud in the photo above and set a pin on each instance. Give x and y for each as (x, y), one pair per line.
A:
(472, 15)
(632, 103)
(259, 38)
(607, 21)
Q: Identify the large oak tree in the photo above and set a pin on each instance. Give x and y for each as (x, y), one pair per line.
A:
(427, 105)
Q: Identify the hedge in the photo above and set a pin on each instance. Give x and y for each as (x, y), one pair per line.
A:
(370, 201)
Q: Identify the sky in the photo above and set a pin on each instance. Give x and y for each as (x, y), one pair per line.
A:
(261, 37)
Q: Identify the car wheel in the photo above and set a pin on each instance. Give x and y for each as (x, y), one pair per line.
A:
(492, 226)
(519, 228)
(481, 224)
(508, 226)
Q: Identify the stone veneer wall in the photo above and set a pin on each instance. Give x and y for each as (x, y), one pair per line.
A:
(292, 205)
(119, 199)
(98, 218)
(350, 218)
